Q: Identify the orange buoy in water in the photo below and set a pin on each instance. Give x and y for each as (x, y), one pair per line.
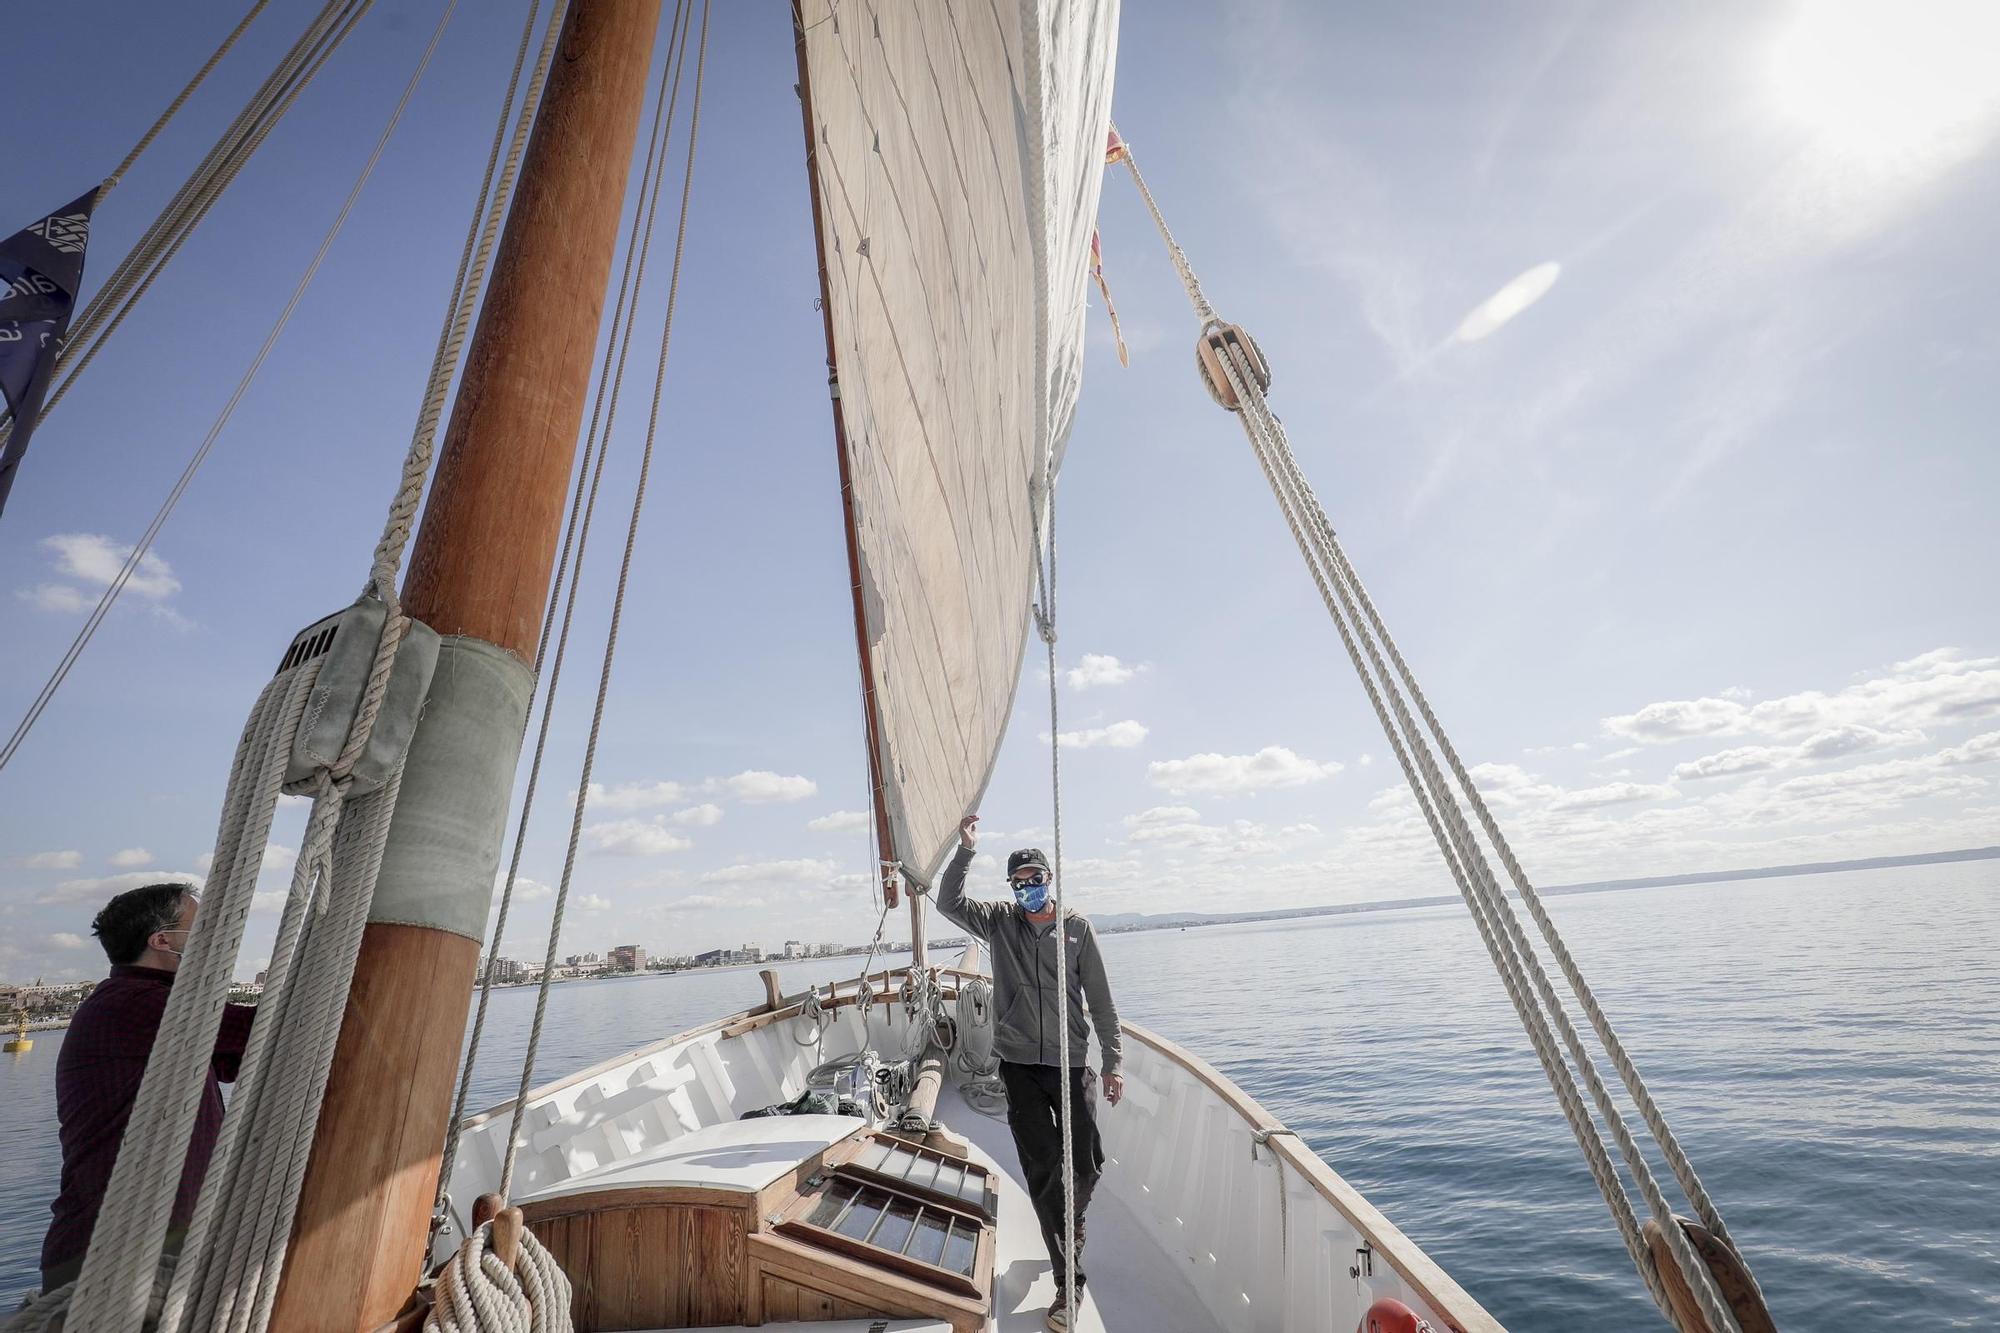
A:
(1389, 1315)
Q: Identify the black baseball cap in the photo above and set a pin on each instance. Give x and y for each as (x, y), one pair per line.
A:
(1027, 856)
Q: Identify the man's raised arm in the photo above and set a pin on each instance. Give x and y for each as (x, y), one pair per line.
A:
(967, 913)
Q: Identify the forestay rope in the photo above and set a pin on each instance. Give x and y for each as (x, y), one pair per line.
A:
(1236, 375)
(226, 1276)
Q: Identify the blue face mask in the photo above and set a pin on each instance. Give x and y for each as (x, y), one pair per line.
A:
(1033, 897)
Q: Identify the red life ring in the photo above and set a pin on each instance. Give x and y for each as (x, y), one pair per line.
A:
(1392, 1316)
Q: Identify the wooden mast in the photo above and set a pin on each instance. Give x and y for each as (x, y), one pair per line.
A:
(480, 569)
(885, 839)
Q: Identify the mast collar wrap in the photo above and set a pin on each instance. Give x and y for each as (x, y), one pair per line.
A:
(346, 664)
(444, 839)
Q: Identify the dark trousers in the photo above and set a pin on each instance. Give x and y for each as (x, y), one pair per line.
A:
(1034, 1113)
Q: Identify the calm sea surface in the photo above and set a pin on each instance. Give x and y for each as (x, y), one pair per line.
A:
(1826, 1046)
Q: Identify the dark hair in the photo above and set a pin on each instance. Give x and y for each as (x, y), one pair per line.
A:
(130, 919)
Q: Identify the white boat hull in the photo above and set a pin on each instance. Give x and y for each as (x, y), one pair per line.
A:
(1210, 1214)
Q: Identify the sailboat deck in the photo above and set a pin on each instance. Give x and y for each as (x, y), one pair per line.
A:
(1134, 1285)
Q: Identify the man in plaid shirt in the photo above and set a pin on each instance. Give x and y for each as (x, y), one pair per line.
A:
(144, 932)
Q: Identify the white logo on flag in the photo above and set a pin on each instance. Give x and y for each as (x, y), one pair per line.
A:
(66, 232)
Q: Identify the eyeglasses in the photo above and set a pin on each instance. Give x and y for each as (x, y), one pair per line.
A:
(1033, 881)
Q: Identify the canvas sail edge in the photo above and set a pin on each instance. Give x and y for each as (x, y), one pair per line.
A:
(956, 163)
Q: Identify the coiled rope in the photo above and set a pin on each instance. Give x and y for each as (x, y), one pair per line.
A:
(1540, 1008)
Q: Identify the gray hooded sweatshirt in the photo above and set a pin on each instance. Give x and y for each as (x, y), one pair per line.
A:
(1025, 996)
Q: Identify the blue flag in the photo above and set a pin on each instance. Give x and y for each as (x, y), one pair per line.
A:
(41, 267)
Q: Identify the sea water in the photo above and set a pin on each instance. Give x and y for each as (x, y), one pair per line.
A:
(1825, 1046)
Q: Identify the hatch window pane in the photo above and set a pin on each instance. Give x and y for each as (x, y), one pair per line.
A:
(960, 1249)
(928, 1244)
(894, 1233)
(863, 1216)
(831, 1201)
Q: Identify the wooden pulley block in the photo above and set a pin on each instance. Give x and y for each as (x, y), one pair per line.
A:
(1212, 353)
(1732, 1279)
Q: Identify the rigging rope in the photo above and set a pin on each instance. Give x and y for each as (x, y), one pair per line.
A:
(134, 275)
(228, 1270)
(1536, 1001)
(1042, 512)
(617, 609)
(173, 107)
(144, 545)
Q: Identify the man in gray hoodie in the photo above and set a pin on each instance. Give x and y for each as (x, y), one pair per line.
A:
(1021, 939)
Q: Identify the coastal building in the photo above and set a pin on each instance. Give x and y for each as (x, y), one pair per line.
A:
(628, 958)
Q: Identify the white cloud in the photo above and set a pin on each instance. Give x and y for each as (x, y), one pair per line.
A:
(132, 857)
(634, 795)
(635, 837)
(61, 598)
(760, 786)
(107, 887)
(525, 890)
(1097, 669)
(591, 903)
(840, 821)
(1513, 298)
(698, 816)
(1839, 742)
(54, 861)
(1938, 688)
(1979, 750)
(1611, 793)
(1118, 736)
(1180, 828)
(1679, 719)
(64, 939)
(702, 902)
(1272, 767)
(93, 561)
(1732, 763)
(803, 870)
(753, 787)
(1491, 778)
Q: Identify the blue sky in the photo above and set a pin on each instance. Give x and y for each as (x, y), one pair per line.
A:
(1645, 359)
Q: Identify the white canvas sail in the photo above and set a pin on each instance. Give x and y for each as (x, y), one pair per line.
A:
(958, 150)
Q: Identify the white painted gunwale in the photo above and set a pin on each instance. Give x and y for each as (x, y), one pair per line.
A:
(1423, 1276)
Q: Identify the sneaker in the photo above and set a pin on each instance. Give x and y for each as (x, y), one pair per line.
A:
(1057, 1319)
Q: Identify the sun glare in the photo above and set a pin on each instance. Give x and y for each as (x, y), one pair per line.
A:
(1886, 78)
